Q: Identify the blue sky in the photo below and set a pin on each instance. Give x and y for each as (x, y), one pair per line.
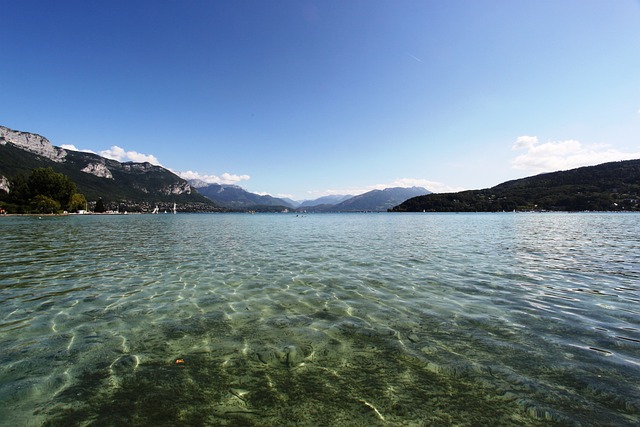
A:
(307, 98)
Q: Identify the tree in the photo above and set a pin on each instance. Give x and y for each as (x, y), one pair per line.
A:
(19, 190)
(44, 191)
(100, 206)
(45, 205)
(78, 202)
(57, 186)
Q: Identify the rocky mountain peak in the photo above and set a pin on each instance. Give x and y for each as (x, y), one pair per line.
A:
(32, 142)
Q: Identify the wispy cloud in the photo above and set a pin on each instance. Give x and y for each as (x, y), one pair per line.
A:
(561, 155)
(225, 178)
(121, 155)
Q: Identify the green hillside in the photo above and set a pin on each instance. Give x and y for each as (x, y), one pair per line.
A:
(134, 186)
(611, 186)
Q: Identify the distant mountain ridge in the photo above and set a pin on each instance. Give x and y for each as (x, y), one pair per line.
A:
(235, 197)
(372, 201)
(138, 186)
(613, 186)
(325, 200)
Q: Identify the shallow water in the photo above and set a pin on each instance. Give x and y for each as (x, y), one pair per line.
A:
(326, 319)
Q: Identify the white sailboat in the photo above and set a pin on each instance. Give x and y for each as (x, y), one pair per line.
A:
(155, 211)
(174, 208)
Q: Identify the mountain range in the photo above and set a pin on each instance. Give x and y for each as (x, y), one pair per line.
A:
(371, 201)
(142, 186)
(613, 186)
(333, 199)
(237, 198)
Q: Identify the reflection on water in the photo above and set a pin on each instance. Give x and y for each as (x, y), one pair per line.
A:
(378, 319)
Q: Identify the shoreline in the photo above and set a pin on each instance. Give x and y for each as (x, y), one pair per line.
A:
(311, 213)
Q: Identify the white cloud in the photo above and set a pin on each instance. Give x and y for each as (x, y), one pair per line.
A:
(233, 178)
(562, 155)
(72, 147)
(115, 153)
(121, 155)
(225, 178)
(525, 142)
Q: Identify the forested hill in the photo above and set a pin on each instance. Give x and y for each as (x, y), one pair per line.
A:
(137, 186)
(611, 186)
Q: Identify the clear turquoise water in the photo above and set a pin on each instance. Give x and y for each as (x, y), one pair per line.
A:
(345, 319)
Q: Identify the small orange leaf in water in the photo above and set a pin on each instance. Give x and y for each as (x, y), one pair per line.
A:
(178, 361)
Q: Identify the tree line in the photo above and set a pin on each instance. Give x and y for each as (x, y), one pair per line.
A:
(43, 191)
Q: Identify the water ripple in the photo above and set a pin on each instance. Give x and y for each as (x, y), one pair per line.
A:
(325, 319)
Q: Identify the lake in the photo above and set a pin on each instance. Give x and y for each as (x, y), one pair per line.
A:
(320, 319)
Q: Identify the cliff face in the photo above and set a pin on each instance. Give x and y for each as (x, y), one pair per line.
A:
(4, 184)
(98, 169)
(33, 143)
